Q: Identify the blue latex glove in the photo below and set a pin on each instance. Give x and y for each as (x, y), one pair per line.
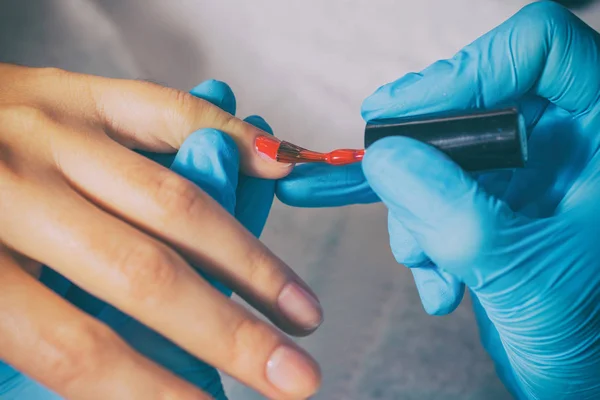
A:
(523, 241)
(210, 159)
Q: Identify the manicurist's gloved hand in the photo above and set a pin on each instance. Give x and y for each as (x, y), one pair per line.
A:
(128, 231)
(524, 242)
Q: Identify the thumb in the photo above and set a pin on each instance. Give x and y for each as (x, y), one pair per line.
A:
(457, 224)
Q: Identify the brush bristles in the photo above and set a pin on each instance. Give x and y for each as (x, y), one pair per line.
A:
(289, 152)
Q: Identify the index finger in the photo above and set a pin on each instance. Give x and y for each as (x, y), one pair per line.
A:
(145, 116)
(160, 118)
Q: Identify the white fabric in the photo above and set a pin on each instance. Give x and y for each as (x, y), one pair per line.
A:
(305, 65)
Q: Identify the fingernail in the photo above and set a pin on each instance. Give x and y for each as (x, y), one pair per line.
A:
(299, 306)
(292, 372)
(267, 147)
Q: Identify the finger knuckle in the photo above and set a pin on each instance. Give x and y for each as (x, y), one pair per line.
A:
(184, 100)
(187, 105)
(76, 352)
(184, 105)
(176, 196)
(148, 271)
(261, 272)
(230, 123)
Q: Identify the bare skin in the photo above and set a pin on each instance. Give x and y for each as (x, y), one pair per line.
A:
(75, 196)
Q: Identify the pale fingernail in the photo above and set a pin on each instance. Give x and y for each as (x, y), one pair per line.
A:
(292, 372)
(299, 306)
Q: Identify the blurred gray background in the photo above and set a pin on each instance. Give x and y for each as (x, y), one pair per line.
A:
(306, 66)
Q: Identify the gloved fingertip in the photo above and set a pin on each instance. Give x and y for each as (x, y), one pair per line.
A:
(440, 292)
(259, 122)
(218, 93)
(293, 192)
(321, 185)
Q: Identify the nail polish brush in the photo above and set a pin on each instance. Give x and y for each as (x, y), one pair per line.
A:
(475, 140)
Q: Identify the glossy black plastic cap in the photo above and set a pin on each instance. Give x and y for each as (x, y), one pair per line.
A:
(475, 140)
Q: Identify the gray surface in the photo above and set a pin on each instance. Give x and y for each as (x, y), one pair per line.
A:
(305, 66)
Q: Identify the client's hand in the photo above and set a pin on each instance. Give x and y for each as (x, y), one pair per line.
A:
(124, 229)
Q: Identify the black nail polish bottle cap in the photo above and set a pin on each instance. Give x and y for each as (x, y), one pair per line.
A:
(475, 140)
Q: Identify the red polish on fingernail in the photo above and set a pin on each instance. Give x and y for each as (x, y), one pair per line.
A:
(286, 152)
(268, 146)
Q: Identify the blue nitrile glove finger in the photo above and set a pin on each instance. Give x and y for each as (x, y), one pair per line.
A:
(322, 185)
(254, 195)
(440, 291)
